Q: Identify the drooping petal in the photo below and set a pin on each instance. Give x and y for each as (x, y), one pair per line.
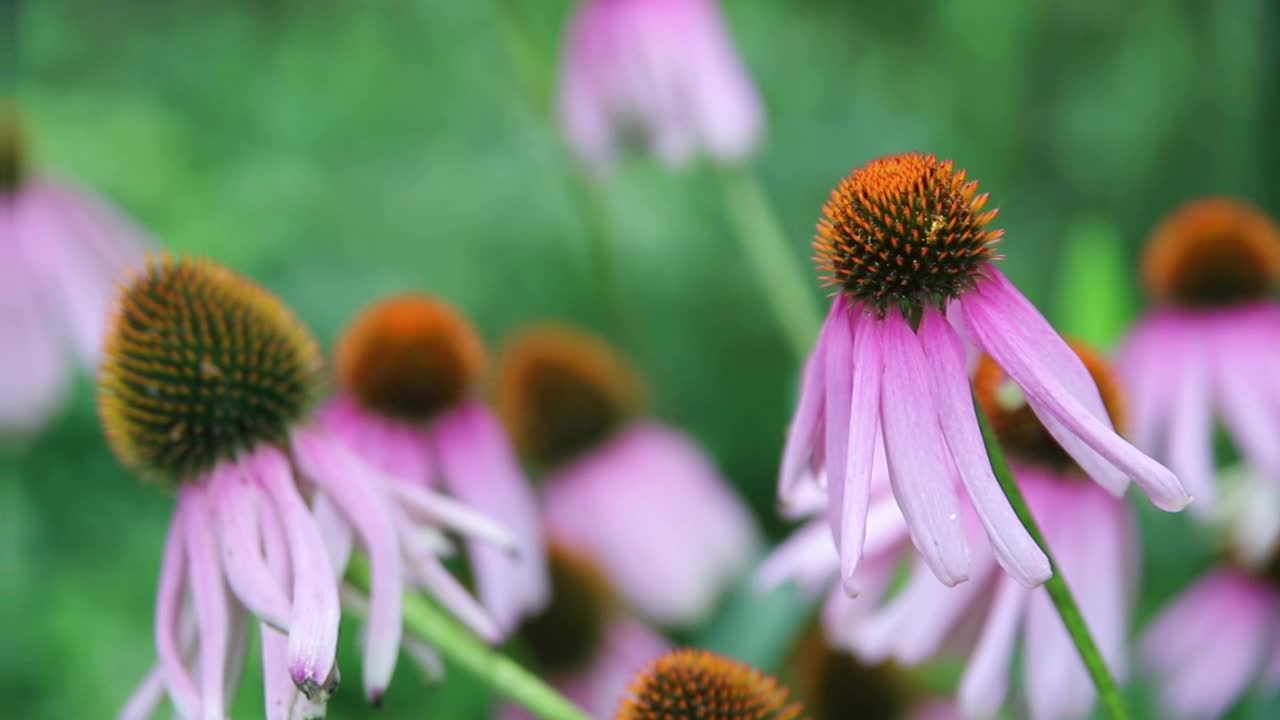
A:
(1014, 548)
(918, 465)
(986, 678)
(427, 572)
(34, 375)
(802, 433)
(1190, 435)
(358, 494)
(481, 470)
(807, 558)
(913, 625)
(1143, 364)
(336, 531)
(313, 625)
(236, 499)
(1251, 413)
(837, 353)
(209, 596)
(145, 698)
(1021, 341)
(279, 692)
(447, 512)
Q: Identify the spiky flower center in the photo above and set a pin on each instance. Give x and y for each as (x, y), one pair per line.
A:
(200, 364)
(562, 392)
(1017, 426)
(565, 636)
(1213, 252)
(12, 160)
(904, 230)
(835, 685)
(688, 684)
(410, 357)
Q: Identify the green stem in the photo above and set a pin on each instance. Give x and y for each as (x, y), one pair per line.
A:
(767, 251)
(1056, 585)
(457, 644)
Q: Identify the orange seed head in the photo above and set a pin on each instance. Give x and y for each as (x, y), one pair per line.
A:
(695, 684)
(565, 636)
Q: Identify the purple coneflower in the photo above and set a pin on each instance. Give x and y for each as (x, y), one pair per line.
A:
(641, 498)
(694, 684)
(206, 386)
(61, 250)
(584, 642)
(906, 241)
(925, 616)
(408, 369)
(1222, 635)
(1211, 345)
(662, 72)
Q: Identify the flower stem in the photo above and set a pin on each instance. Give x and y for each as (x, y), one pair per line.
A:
(765, 245)
(1056, 585)
(457, 644)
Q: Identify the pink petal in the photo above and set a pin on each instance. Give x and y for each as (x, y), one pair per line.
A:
(807, 558)
(1012, 544)
(802, 433)
(339, 537)
(209, 597)
(914, 624)
(34, 374)
(1143, 365)
(427, 571)
(236, 501)
(1190, 444)
(279, 692)
(837, 354)
(1251, 413)
(986, 678)
(173, 573)
(918, 466)
(446, 512)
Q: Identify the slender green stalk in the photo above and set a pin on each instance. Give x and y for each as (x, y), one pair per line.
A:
(765, 245)
(458, 645)
(1056, 585)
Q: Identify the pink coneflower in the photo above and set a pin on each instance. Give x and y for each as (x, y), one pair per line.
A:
(907, 243)
(660, 72)
(690, 684)
(205, 386)
(584, 642)
(408, 369)
(1222, 635)
(925, 617)
(61, 250)
(640, 497)
(1211, 345)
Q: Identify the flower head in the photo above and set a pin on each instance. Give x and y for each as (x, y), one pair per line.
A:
(906, 231)
(200, 366)
(62, 251)
(1208, 348)
(688, 684)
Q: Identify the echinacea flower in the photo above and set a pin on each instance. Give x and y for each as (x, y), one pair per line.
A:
(639, 497)
(408, 369)
(62, 249)
(924, 617)
(694, 684)
(663, 73)
(908, 245)
(1222, 635)
(1210, 347)
(584, 642)
(206, 382)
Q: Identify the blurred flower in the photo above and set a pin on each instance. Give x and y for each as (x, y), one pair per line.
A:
(661, 72)
(407, 369)
(1211, 344)
(1223, 634)
(61, 250)
(583, 642)
(206, 382)
(907, 243)
(640, 498)
(916, 623)
(695, 684)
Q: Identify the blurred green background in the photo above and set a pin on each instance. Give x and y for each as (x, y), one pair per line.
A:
(339, 151)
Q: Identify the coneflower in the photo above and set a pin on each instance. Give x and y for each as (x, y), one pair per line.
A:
(584, 642)
(1210, 346)
(409, 369)
(1222, 635)
(61, 250)
(907, 242)
(640, 498)
(660, 72)
(698, 685)
(205, 384)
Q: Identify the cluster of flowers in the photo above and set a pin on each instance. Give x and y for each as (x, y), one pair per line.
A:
(209, 386)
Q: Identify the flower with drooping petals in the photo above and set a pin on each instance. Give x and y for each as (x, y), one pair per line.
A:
(1211, 345)
(694, 684)
(915, 624)
(906, 240)
(1222, 635)
(662, 72)
(408, 369)
(62, 249)
(206, 382)
(584, 642)
(641, 498)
